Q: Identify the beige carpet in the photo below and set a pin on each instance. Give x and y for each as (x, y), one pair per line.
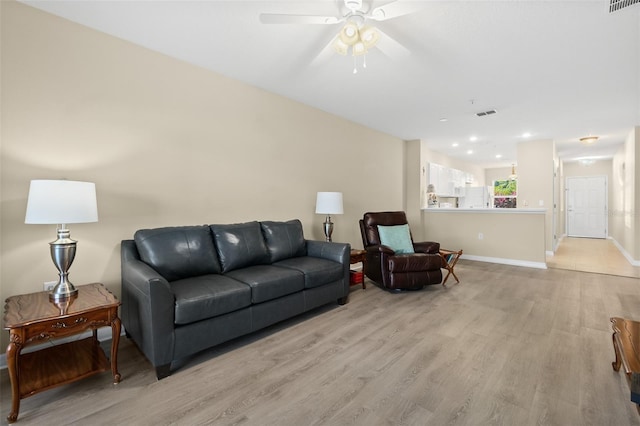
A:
(592, 255)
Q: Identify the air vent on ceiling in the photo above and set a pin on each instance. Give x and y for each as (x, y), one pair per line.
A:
(483, 113)
(615, 5)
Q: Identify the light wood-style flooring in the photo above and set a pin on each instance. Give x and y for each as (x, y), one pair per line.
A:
(592, 255)
(506, 346)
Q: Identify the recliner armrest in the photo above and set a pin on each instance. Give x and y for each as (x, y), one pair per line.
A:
(380, 249)
(428, 247)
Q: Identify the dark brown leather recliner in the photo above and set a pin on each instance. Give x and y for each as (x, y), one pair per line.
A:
(398, 271)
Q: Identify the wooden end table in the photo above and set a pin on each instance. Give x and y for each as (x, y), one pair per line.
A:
(32, 318)
(357, 256)
(626, 334)
(449, 260)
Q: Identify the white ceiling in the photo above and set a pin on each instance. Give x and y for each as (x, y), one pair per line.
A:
(559, 70)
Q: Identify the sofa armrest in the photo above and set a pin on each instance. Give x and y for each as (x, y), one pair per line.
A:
(428, 247)
(338, 252)
(147, 306)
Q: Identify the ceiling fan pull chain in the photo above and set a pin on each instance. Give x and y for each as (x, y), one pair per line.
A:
(355, 66)
(364, 61)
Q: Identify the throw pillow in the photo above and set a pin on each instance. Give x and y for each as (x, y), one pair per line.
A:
(396, 237)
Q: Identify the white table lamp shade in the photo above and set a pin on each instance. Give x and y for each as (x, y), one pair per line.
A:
(329, 203)
(61, 202)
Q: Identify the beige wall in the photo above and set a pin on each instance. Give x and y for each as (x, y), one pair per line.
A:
(508, 235)
(624, 222)
(166, 143)
(498, 173)
(535, 181)
(415, 186)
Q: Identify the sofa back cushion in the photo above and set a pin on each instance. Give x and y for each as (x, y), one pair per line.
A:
(178, 252)
(284, 239)
(240, 245)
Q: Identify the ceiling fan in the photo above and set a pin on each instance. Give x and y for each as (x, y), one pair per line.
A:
(356, 36)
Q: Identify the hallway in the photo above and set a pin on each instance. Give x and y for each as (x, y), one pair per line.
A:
(592, 255)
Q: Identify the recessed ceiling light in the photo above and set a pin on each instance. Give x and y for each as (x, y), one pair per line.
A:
(526, 135)
(498, 155)
(473, 138)
(444, 119)
(470, 151)
(455, 144)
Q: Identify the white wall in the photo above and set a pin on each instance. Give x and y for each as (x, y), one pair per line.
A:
(428, 156)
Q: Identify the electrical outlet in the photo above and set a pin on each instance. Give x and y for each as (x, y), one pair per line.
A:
(49, 285)
(480, 236)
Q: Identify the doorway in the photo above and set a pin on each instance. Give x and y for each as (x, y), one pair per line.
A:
(587, 207)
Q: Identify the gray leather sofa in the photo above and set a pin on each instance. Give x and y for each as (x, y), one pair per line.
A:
(188, 288)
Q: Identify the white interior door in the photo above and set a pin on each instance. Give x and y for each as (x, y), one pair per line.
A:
(587, 206)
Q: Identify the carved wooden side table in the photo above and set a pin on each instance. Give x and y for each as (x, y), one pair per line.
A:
(32, 319)
(626, 336)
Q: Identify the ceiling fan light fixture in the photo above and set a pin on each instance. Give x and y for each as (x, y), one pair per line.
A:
(349, 34)
(358, 49)
(340, 46)
(369, 36)
(588, 140)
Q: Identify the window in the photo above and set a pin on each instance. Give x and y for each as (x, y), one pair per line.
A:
(505, 193)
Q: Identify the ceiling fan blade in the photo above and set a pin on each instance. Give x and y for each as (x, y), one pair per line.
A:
(276, 18)
(391, 47)
(395, 9)
(325, 54)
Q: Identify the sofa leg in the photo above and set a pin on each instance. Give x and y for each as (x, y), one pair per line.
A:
(163, 371)
(343, 300)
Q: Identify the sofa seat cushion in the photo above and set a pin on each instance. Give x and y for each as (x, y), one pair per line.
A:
(269, 282)
(316, 271)
(416, 262)
(207, 296)
(178, 252)
(240, 245)
(284, 239)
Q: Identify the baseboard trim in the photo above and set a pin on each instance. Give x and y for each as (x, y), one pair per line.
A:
(104, 334)
(627, 256)
(512, 262)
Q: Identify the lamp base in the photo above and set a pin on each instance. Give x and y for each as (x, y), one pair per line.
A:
(328, 228)
(63, 251)
(63, 291)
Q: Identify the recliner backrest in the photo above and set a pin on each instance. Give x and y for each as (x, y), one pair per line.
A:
(370, 221)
